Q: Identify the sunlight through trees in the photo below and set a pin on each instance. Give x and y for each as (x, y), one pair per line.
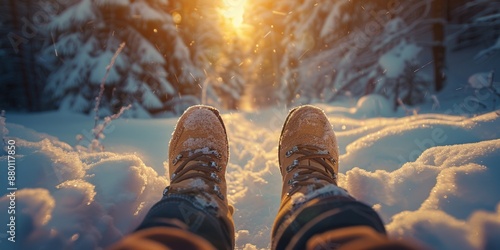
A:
(228, 52)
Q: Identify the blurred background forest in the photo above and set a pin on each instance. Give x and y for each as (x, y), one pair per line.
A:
(232, 54)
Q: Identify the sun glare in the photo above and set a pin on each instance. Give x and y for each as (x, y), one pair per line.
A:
(233, 10)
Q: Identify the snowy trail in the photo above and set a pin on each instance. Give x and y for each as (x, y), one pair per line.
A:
(253, 176)
(427, 175)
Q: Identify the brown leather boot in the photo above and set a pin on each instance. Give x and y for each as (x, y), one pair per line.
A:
(308, 152)
(198, 156)
(308, 159)
(311, 202)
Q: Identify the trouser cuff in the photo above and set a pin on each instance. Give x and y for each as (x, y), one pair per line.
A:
(181, 211)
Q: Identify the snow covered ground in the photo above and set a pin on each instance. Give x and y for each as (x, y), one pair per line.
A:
(432, 177)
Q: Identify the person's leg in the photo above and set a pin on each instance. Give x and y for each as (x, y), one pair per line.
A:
(196, 200)
(311, 202)
(163, 238)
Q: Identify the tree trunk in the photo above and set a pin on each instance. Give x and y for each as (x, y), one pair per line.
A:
(22, 62)
(439, 14)
(396, 94)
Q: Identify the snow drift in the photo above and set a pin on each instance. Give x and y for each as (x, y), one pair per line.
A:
(432, 178)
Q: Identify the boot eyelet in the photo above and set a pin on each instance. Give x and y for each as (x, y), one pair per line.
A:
(174, 175)
(291, 167)
(214, 164)
(218, 192)
(291, 151)
(215, 177)
(292, 183)
(165, 191)
(177, 158)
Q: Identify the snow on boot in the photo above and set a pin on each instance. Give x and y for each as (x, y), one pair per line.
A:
(198, 156)
(308, 153)
(308, 159)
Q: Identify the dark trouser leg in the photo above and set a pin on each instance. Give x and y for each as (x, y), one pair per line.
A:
(319, 215)
(183, 212)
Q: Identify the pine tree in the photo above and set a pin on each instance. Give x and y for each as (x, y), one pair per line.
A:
(86, 35)
(475, 23)
(306, 36)
(333, 48)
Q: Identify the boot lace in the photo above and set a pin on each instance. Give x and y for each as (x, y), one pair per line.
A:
(305, 174)
(203, 166)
